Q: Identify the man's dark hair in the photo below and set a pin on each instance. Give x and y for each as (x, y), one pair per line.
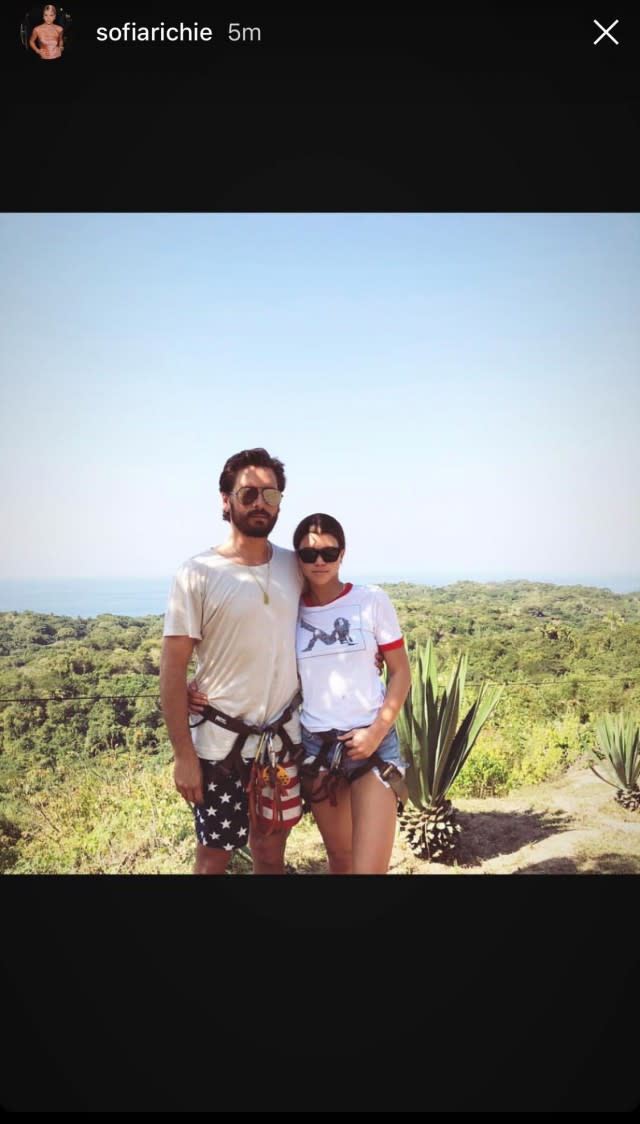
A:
(248, 458)
(318, 524)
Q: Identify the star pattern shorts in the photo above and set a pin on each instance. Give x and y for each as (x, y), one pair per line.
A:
(223, 820)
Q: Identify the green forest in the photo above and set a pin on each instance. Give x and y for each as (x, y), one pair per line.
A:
(85, 765)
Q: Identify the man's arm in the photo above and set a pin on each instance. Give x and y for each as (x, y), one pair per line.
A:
(174, 660)
(61, 40)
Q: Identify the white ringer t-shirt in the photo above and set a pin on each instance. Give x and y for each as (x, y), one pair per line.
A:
(336, 646)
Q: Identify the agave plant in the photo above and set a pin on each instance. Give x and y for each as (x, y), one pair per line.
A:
(436, 746)
(618, 755)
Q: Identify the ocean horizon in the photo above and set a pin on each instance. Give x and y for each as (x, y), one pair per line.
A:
(141, 597)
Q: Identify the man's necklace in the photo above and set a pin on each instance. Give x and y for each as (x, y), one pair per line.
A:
(265, 592)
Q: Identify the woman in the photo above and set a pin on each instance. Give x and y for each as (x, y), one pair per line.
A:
(47, 39)
(352, 766)
(351, 747)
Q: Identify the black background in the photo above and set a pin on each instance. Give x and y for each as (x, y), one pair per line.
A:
(486, 110)
(398, 994)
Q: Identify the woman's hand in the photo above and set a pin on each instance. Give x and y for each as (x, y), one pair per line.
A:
(360, 743)
(197, 701)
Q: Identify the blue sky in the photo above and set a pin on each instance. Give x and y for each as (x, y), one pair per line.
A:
(461, 391)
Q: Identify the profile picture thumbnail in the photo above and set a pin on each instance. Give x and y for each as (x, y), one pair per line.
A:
(46, 31)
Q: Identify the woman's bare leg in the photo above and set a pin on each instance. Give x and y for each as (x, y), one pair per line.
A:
(374, 812)
(335, 826)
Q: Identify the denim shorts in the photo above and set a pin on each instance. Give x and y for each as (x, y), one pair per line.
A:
(388, 750)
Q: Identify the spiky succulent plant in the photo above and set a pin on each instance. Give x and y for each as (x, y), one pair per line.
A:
(617, 754)
(436, 745)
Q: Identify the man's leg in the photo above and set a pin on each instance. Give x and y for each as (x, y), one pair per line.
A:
(211, 860)
(223, 819)
(268, 851)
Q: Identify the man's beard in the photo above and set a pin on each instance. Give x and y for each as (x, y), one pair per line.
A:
(251, 527)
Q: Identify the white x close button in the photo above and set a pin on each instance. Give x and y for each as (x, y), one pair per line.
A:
(606, 33)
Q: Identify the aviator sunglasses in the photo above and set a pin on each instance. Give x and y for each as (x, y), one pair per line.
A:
(327, 553)
(247, 496)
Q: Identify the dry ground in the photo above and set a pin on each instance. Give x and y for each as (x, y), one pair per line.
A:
(571, 825)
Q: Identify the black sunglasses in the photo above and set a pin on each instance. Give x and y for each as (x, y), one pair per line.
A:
(247, 496)
(327, 553)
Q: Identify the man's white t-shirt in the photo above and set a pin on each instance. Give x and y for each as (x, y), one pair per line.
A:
(336, 646)
(245, 649)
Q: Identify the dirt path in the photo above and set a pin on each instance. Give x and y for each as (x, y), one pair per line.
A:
(569, 826)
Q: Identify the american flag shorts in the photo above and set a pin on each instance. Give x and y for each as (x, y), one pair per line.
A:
(290, 799)
(222, 821)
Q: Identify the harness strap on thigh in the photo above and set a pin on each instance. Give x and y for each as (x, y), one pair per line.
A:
(388, 772)
(366, 766)
(329, 758)
(332, 780)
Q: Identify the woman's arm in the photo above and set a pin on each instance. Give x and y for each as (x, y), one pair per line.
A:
(33, 40)
(197, 700)
(363, 742)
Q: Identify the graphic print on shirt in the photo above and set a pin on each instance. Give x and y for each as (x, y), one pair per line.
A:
(330, 634)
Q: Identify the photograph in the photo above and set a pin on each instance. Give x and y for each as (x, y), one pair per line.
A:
(368, 484)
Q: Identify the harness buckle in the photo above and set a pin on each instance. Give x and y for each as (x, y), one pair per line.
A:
(394, 777)
(258, 753)
(270, 750)
(336, 760)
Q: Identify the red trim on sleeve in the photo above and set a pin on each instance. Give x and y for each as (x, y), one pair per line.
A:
(394, 644)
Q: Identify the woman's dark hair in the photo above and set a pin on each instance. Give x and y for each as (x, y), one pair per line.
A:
(319, 524)
(246, 459)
